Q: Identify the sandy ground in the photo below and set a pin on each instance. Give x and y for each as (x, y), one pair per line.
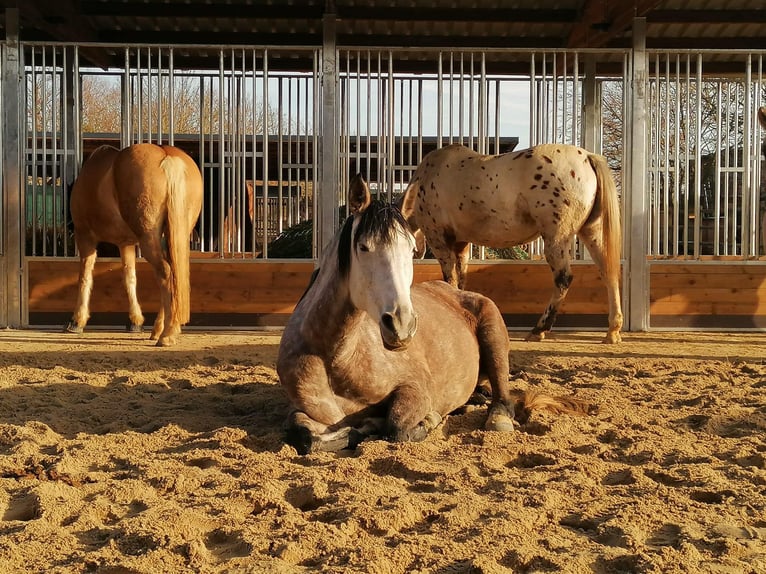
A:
(118, 457)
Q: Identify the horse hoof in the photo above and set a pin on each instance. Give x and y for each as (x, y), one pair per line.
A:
(166, 342)
(132, 328)
(500, 418)
(535, 337)
(71, 327)
(612, 338)
(301, 439)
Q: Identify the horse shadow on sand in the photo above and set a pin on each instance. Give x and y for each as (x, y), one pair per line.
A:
(146, 391)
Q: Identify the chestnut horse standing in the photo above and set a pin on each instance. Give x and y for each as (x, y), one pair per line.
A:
(146, 195)
(457, 197)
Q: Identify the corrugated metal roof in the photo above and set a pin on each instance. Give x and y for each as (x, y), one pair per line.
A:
(673, 24)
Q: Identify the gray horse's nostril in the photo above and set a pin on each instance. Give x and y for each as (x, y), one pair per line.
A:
(387, 320)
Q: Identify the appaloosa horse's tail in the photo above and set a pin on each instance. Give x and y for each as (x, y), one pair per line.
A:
(609, 207)
(177, 236)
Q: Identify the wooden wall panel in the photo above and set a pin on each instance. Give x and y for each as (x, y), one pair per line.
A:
(242, 292)
(708, 295)
(253, 288)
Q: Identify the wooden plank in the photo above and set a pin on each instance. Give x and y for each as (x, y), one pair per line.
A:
(697, 281)
(745, 308)
(699, 269)
(722, 294)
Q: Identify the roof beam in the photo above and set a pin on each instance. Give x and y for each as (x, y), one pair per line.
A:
(57, 19)
(706, 16)
(197, 9)
(600, 21)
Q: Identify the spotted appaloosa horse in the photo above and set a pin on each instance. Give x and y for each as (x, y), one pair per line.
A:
(148, 195)
(365, 354)
(457, 197)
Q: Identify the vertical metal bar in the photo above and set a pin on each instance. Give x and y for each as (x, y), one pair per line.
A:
(254, 160)
(391, 134)
(748, 189)
(12, 313)
(36, 103)
(159, 96)
(328, 220)
(318, 111)
(51, 227)
(638, 269)
(729, 203)
(45, 160)
(451, 96)
(533, 101)
(736, 220)
(265, 106)
(221, 156)
(439, 101)
(680, 167)
(368, 143)
(139, 97)
(419, 156)
(576, 108)
(698, 160)
(125, 108)
(171, 99)
(717, 175)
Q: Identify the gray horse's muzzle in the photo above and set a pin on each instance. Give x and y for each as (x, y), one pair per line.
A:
(398, 329)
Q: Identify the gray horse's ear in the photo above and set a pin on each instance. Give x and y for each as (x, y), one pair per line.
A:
(358, 195)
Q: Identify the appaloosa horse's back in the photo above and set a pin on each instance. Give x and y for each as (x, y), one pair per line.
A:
(457, 197)
(364, 353)
(147, 195)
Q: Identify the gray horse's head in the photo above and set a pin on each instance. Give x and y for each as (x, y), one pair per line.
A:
(376, 256)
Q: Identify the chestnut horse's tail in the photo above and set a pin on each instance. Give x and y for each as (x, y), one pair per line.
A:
(609, 209)
(177, 236)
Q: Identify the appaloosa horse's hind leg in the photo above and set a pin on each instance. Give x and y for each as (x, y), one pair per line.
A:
(557, 256)
(590, 234)
(462, 255)
(128, 257)
(453, 258)
(87, 250)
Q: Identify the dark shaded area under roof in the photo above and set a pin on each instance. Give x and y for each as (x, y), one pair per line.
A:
(543, 24)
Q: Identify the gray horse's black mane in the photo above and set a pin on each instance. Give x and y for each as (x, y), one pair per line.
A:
(380, 222)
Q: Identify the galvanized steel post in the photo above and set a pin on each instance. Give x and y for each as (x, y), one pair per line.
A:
(11, 311)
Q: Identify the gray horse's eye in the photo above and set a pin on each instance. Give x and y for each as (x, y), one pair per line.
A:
(363, 248)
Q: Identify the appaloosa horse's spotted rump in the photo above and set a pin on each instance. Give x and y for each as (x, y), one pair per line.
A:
(554, 191)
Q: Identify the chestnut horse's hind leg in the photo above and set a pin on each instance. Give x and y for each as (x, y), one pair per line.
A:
(128, 256)
(557, 256)
(81, 313)
(165, 330)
